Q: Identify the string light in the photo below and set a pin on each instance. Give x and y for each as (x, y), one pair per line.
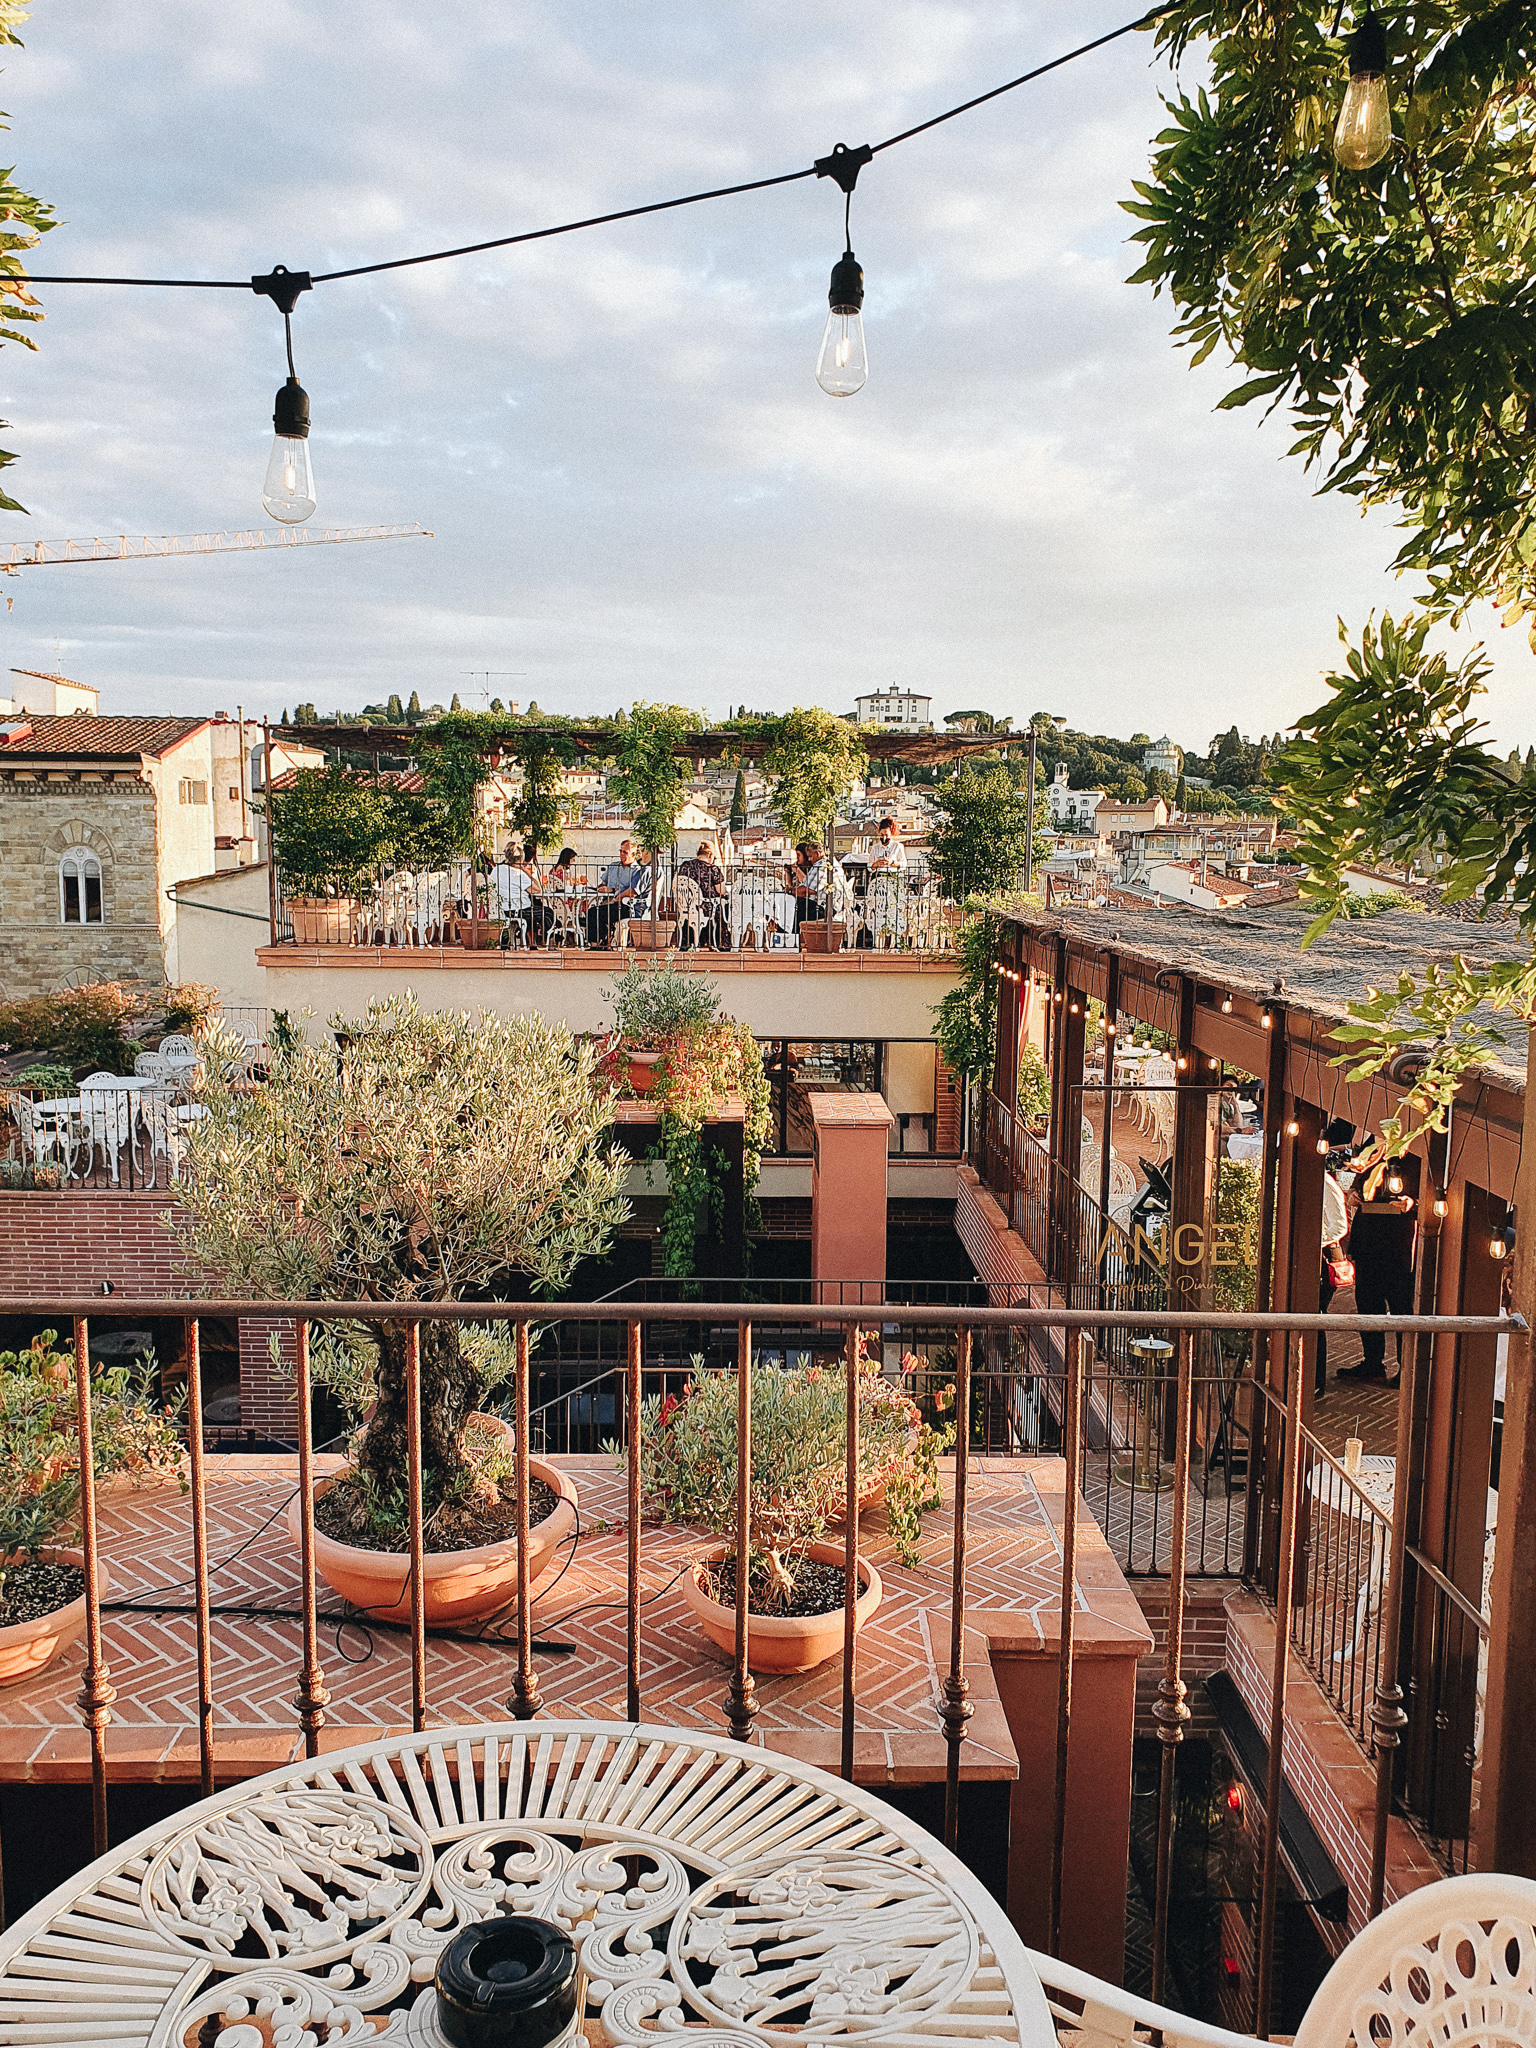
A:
(842, 363)
(1440, 1205)
(1226, 1006)
(1292, 1128)
(1502, 1242)
(1394, 1183)
(1265, 1020)
(1364, 133)
(1322, 1144)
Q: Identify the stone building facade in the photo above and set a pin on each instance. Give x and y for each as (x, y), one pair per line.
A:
(99, 819)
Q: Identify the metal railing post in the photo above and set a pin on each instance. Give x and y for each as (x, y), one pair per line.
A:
(850, 1538)
(525, 1691)
(1072, 1459)
(312, 1697)
(97, 1691)
(418, 1539)
(1290, 1476)
(1170, 1711)
(741, 1699)
(1387, 1717)
(632, 1426)
(958, 1706)
(200, 1556)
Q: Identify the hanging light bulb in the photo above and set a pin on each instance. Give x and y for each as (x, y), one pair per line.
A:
(1226, 1006)
(1364, 133)
(1322, 1145)
(288, 489)
(1496, 1247)
(1394, 1183)
(1292, 1128)
(843, 361)
(1441, 1206)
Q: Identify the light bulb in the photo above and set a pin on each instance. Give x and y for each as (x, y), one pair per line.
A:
(1364, 133)
(288, 492)
(1226, 1006)
(1394, 1183)
(1441, 1206)
(843, 363)
(1322, 1146)
(1496, 1248)
(1292, 1129)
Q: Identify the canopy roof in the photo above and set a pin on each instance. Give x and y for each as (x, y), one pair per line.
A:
(916, 749)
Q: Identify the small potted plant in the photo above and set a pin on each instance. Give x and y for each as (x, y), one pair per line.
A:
(796, 1581)
(331, 829)
(42, 1574)
(650, 1005)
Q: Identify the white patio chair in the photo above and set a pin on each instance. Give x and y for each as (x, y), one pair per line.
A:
(691, 915)
(106, 1116)
(154, 1066)
(177, 1045)
(569, 927)
(48, 1134)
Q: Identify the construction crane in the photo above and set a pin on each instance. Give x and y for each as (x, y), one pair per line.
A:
(42, 554)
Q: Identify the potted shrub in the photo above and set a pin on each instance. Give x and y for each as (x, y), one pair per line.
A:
(674, 1046)
(42, 1575)
(796, 1580)
(330, 829)
(423, 1158)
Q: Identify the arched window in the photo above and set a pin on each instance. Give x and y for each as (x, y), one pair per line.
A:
(79, 886)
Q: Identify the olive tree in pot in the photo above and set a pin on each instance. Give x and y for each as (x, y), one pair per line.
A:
(433, 1158)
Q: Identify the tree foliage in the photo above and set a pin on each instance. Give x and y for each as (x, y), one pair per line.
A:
(423, 1158)
(1391, 771)
(815, 758)
(978, 846)
(1391, 312)
(647, 773)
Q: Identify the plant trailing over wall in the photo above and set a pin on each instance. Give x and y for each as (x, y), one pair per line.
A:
(688, 1460)
(429, 1158)
(654, 1000)
(965, 1020)
(699, 1064)
(816, 757)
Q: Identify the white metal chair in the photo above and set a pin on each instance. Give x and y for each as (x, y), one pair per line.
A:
(49, 1130)
(106, 1115)
(569, 927)
(688, 898)
(1451, 1962)
(177, 1044)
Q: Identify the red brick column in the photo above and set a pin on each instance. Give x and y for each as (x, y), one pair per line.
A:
(266, 1393)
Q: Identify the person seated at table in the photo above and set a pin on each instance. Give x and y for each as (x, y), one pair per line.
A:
(705, 869)
(625, 881)
(823, 889)
(562, 884)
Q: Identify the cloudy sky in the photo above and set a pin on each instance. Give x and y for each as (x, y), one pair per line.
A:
(635, 486)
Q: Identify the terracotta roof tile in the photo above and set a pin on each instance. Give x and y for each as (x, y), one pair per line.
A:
(81, 738)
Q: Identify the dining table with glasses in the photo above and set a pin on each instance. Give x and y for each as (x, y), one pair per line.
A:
(704, 1890)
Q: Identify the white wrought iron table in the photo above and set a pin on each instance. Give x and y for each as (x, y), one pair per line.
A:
(711, 1886)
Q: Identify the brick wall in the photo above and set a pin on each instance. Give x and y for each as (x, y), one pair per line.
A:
(52, 1246)
(1204, 1647)
(116, 820)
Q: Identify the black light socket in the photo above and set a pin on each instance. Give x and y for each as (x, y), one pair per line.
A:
(290, 414)
(507, 1983)
(847, 292)
(1368, 48)
(282, 286)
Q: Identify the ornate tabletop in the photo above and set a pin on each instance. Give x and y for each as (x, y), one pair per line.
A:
(709, 1885)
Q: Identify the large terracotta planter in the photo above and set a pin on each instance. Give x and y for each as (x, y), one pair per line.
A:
(641, 1070)
(323, 920)
(27, 1646)
(783, 1642)
(461, 1585)
(646, 937)
(479, 935)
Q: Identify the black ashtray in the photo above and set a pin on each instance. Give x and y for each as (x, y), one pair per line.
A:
(508, 1983)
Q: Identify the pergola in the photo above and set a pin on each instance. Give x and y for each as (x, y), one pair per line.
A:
(914, 749)
(1236, 992)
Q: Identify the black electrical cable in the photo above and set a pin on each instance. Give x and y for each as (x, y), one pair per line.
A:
(597, 220)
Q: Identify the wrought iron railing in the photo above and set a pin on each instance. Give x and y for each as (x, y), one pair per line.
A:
(961, 1329)
(497, 905)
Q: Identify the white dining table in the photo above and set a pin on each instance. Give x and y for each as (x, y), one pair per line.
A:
(715, 1891)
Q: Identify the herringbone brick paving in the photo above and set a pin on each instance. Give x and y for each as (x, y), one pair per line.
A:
(1014, 1570)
